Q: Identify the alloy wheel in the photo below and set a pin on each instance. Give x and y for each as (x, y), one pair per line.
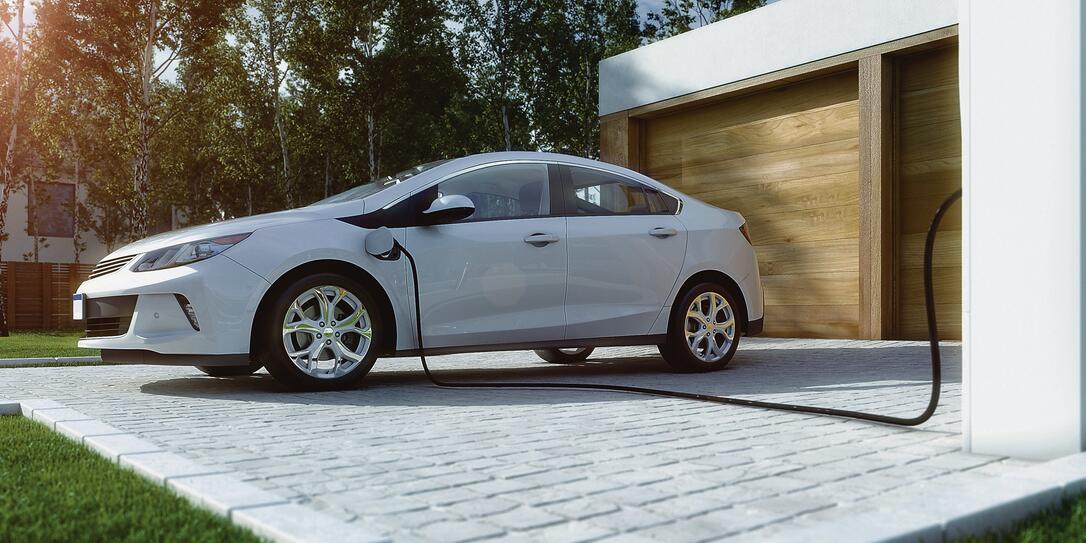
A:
(709, 327)
(327, 332)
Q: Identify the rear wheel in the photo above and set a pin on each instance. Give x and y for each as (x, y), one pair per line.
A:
(704, 331)
(323, 333)
(565, 355)
(230, 371)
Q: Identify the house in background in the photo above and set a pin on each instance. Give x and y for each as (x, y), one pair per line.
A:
(37, 291)
(52, 220)
(834, 127)
(837, 126)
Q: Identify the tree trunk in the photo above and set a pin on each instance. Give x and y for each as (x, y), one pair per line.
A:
(142, 178)
(277, 103)
(327, 179)
(7, 170)
(288, 185)
(505, 126)
(371, 144)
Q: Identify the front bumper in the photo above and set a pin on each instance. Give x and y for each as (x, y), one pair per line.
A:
(223, 293)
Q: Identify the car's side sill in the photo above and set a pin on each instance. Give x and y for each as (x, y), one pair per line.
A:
(589, 342)
(143, 356)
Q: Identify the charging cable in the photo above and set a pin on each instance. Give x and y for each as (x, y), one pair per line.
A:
(933, 341)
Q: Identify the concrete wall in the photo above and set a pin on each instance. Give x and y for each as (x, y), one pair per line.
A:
(1021, 96)
(60, 250)
(781, 35)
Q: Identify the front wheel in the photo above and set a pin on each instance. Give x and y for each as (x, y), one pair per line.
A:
(704, 331)
(323, 333)
(570, 355)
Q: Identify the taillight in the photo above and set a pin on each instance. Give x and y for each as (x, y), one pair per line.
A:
(746, 233)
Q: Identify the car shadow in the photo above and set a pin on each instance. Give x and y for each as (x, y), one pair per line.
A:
(857, 375)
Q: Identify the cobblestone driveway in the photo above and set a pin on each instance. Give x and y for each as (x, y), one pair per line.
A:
(427, 464)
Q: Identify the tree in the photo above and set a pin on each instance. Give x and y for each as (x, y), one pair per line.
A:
(14, 84)
(572, 37)
(495, 41)
(677, 16)
(263, 31)
(125, 50)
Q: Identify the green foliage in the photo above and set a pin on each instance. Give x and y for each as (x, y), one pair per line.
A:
(678, 16)
(251, 106)
(52, 489)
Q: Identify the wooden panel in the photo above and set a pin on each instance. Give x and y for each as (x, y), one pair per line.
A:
(788, 160)
(784, 165)
(39, 294)
(928, 170)
(807, 257)
(822, 321)
(876, 196)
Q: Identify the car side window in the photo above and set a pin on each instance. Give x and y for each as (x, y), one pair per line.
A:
(505, 191)
(600, 193)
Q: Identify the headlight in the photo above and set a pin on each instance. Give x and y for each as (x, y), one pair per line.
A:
(186, 253)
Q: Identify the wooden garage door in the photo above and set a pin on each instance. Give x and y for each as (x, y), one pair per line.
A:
(788, 160)
(929, 168)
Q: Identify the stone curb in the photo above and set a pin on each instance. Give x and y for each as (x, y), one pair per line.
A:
(215, 489)
(954, 508)
(9, 362)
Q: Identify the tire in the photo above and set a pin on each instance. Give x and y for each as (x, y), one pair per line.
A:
(570, 355)
(696, 355)
(230, 371)
(349, 347)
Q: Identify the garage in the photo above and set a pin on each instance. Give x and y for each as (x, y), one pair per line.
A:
(838, 166)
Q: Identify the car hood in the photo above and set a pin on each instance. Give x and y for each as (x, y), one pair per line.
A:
(230, 227)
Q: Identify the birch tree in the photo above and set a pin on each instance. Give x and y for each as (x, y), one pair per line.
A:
(126, 51)
(15, 85)
(263, 32)
(495, 37)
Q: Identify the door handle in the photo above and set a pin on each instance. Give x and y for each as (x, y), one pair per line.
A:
(662, 232)
(540, 240)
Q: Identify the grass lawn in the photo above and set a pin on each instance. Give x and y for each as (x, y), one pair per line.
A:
(1064, 524)
(52, 489)
(42, 344)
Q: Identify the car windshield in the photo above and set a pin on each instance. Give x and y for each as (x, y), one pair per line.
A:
(377, 185)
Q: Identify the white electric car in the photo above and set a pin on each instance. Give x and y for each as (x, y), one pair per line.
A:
(514, 250)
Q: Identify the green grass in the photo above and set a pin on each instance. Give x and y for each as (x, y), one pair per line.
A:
(52, 489)
(1066, 523)
(42, 344)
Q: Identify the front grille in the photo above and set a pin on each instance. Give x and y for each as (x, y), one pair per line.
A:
(109, 266)
(108, 326)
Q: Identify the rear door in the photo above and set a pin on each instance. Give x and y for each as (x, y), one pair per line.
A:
(626, 249)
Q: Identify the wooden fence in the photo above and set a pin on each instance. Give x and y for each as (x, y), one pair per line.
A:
(39, 294)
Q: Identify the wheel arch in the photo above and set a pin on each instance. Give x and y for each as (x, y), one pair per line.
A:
(347, 269)
(712, 276)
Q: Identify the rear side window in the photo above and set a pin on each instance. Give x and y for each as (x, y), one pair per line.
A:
(660, 202)
(600, 193)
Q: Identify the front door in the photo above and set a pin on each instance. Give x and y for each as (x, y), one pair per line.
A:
(626, 249)
(499, 276)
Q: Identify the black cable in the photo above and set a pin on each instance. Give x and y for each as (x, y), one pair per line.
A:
(933, 340)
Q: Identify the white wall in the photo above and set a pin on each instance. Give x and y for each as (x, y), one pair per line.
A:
(781, 35)
(1022, 282)
(60, 250)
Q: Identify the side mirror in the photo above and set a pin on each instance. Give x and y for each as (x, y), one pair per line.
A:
(382, 245)
(449, 208)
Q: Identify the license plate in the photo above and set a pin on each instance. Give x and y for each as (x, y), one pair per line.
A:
(78, 301)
